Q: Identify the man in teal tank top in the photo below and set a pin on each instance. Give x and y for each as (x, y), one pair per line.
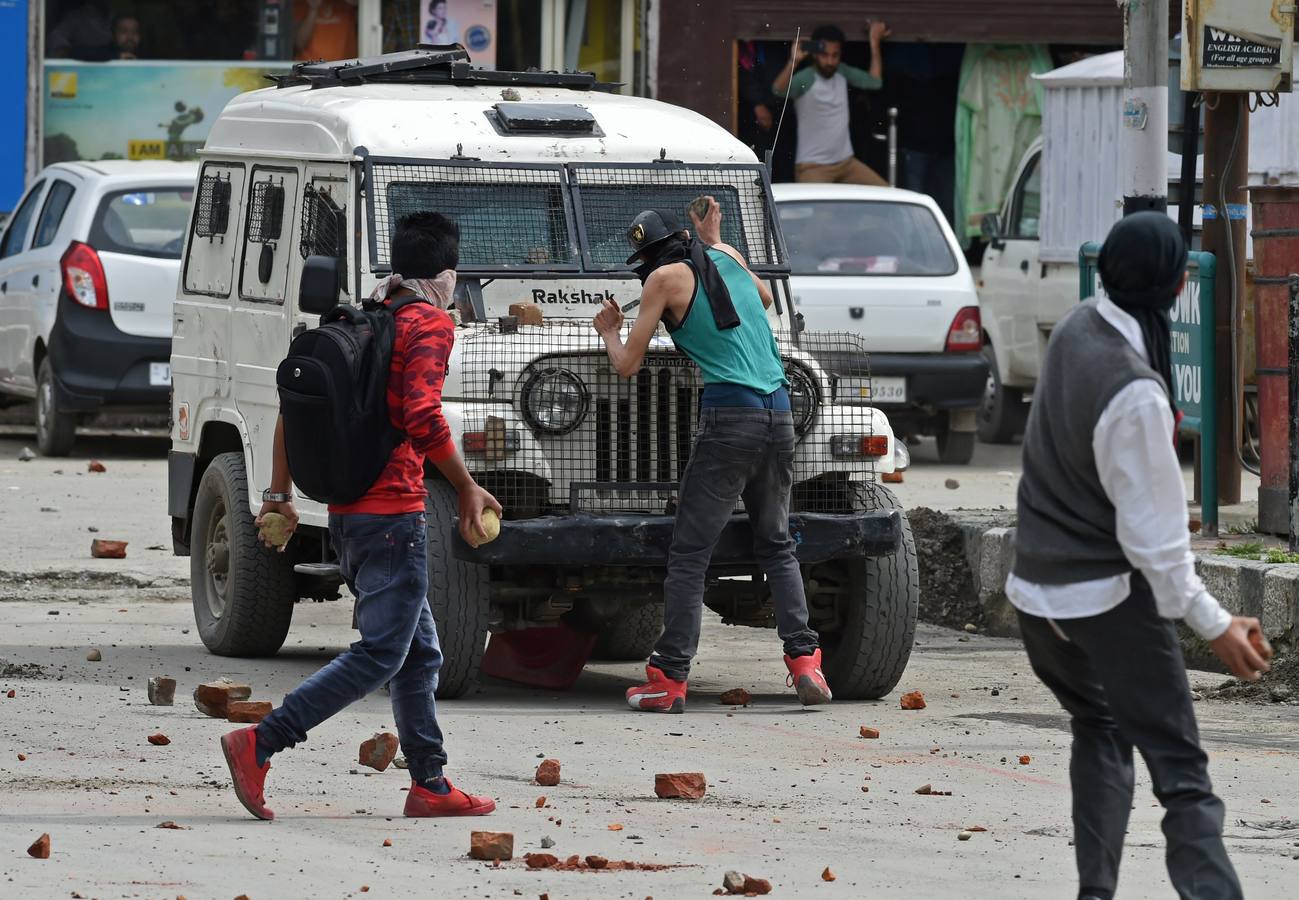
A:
(715, 310)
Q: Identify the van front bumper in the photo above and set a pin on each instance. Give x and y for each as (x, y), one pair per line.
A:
(935, 380)
(642, 540)
(96, 364)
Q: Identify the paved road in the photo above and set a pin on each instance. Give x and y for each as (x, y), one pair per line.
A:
(784, 802)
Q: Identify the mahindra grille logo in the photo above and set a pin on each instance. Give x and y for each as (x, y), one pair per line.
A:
(560, 295)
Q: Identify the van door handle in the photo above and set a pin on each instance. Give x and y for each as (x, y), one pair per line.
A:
(1023, 266)
(856, 311)
(36, 280)
(4, 287)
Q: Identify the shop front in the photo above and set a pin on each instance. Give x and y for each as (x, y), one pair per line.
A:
(144, 79)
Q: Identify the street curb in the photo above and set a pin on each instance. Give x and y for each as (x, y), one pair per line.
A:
(1268, 591)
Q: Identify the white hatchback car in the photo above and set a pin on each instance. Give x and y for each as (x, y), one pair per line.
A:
(884, 264)
(88, 269)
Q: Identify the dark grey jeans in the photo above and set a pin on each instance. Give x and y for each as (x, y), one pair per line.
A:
(739, 453)
(1121, 677)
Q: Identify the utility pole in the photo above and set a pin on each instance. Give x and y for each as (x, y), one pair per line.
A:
(1145, 106)
(1226, 157)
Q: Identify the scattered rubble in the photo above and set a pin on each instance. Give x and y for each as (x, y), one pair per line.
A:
(615, 827)
(491, 845)
(12, 694)
(680, 785)
(867, 732)
(548, 773)
(591, 863)
(159, 739)
(736, 697)
(913, 700)
(96, 466)
(26, 454)
(172, 826)
(22, 757)
(162, 690)
(387, 842)
(1280, 685)
(41, 848)
(213, 698)
(948, 595)
(1025, 760)
(927, 790)
(827, 875)
(101, 549)
(547, 843)
(93, 655)
(249, 711)
(540, 860)
(964, 836)
(951, 484)
(735, 883)
(541, 801)
(379, 751)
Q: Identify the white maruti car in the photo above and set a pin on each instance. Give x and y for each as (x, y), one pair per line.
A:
(883, 263)
(88, 268)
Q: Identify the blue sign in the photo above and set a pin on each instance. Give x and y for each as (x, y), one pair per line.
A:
(13, 101)
(478, 38)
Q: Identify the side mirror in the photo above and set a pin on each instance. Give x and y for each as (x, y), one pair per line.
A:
(991, 228)
(318, 290)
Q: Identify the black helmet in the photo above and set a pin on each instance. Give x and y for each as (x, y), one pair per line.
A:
(649, 228)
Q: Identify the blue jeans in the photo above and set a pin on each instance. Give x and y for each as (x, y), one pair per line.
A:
(383, 562)
(739, 453)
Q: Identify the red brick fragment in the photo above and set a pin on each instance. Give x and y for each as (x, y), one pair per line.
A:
(913, 700)
(101, 549)
(379, 751)
(827, 875)
(213, 698)
(540, 860)
(248, 711)
(541, 801)
(22, 757)
(1025, 760)
(548, 773)
(867, 732)
(40, 849)
(759, 886)
(11, 694)
(597, 862)
(96, 466)
(680, 785)
(162, 690)
(491, 845)
(387, 842)
(159, 739)
(736, 697)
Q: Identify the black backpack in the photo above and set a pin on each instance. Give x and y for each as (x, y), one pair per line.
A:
(333, 389)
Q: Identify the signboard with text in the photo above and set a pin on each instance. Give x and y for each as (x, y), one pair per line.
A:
(1237, 45)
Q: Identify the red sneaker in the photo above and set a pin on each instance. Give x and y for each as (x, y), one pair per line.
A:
(240, 748)
(422, 803)
(806, 677)
(659, 694)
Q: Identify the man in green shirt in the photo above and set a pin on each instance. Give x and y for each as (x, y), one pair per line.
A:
(820, 95)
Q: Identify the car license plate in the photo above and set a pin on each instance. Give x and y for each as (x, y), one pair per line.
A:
(888, 390)
(160, 374)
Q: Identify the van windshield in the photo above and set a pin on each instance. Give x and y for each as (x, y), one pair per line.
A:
(857, 237)
(143, 222)
(564, 218)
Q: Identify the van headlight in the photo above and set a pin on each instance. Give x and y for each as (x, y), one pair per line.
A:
(803, 397)
(555, 401)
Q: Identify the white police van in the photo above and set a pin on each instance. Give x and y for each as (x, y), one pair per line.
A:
(543, 172)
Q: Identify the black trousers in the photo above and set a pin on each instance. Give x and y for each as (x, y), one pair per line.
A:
(1121, 677)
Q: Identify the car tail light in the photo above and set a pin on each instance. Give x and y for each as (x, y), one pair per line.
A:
(855, 445)
(83, 276)
(966, 332)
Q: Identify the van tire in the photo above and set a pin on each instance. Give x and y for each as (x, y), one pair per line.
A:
(955, 448)
(631, 635)
(243, 592)
(1003, 412)
(458, 593)
(56, 431)
(865, 657)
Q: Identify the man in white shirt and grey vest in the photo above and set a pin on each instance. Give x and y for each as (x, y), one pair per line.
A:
(1103, 566)
(820, 95)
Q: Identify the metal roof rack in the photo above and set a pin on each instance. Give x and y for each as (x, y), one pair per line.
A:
(428, 64)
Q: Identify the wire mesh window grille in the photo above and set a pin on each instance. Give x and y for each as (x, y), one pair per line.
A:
(324, 223)
(610, 196)
(212, 213)
(552, 429)
(509, 216)
(266, 211)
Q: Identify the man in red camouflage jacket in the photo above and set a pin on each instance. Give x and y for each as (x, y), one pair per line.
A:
(381, 544)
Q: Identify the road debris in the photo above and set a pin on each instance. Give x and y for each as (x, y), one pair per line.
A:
(867, 732)
(172, 826)
(913, 700)
(548, 773)
(26, 454)
(1025, 760)
(40, 849)
(96, 466)
(93, 655)
(12, 694)
(615, 827)
(491, 845)
(736, 883)
(387, 842)
(540, 860)
(680, 785)
(213, 698)
(159, 739)
(547, 842)
(951, 484)
(964, 836)
(927, 790)
(22, 757)
(379, 751)
(102, 549)
(162, 690)
(248, 711)
(736, 697)
(541, 801)
(827, 875)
